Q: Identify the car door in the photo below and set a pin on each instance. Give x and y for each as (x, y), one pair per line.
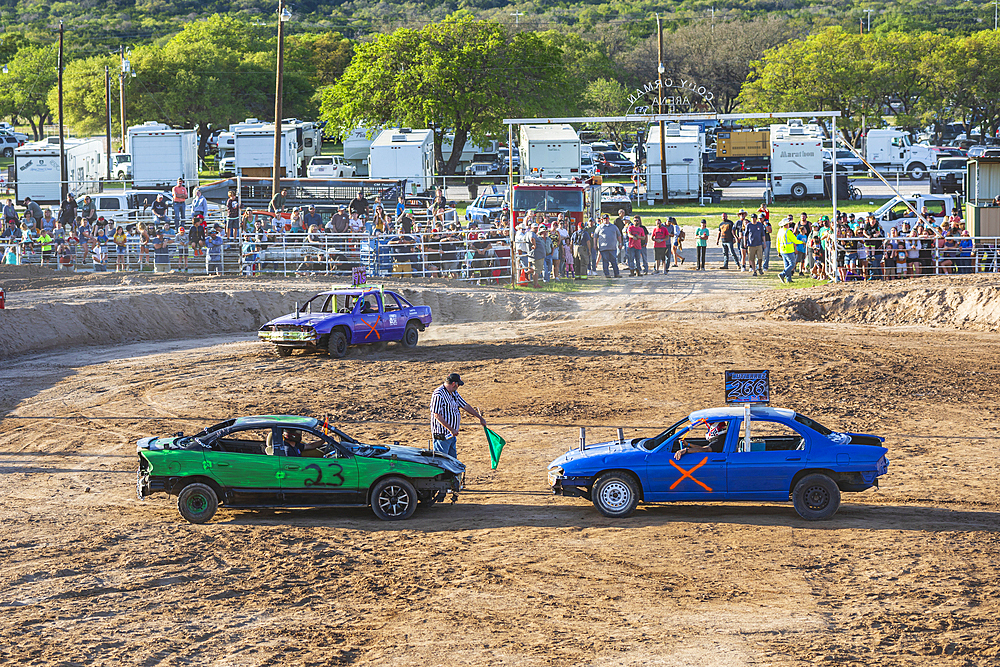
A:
(369, 327)
(697, 476)
(393, 319)
(777, 452)
(318, 480)
(239, 463)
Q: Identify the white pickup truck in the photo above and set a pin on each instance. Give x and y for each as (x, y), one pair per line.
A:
(895, 212)
(948, 175)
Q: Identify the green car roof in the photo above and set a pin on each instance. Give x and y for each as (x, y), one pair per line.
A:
(284, 419)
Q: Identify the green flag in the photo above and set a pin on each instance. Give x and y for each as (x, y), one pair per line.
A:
(496, 444)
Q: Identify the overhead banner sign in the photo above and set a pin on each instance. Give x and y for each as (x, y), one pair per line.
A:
(651, 96)
(748, 387)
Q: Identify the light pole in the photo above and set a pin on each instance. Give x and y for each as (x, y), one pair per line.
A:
(517, 18)
(663, 126)
(283, 16)
(63, 177)
(868, 12)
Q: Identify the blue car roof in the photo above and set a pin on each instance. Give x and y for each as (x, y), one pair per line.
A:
(737, 411)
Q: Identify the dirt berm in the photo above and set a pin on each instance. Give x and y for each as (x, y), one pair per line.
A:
(965, 302)
(45, 311)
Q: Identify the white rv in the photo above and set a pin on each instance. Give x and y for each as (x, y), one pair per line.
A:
(684, 147)
(797, 160)
(161, 155)
(404, 153)
(890, 150)
(357, 146)
(254, 151)
(308, 134)
(549, 151)
(36, 168)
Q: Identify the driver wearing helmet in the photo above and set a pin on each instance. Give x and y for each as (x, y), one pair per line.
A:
(715, 437)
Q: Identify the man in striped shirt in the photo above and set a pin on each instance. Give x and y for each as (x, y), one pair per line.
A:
(445, 415)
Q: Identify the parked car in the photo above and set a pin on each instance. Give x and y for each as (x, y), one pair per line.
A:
(947, 151)
(483, 164)
(614, 197)
(612, 162)
(291, 461)
(8, 143)
(787, 456)
(330, 166)
(485, 210)
(334, 320)
(948, 176)
(846, 161)
(587, 166)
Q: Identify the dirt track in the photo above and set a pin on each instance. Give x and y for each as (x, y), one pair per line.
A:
(509, 575)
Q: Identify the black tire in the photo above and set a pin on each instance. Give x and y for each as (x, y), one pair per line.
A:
(337, 344)
(410, 336)
(197, 502)
(394, 499)
(615, 495)
(799, 191)
(284, 351)
(8, 152)
(918, 171)
(935, 190)
(723, 180)
(816, 497)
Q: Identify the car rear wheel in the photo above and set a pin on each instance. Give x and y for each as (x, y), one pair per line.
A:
(816, 497)
(337, 344)
(197, 502)
(615, 494)
(394, 499)
(8, 152)
(284, 351)
(410, 336)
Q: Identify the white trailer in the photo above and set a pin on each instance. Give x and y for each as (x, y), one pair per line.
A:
(161, 155)
(309, 136)
(890, 150)
(357, 146)
(36, 168)
(549, 151)
(404, 153)
(469, 151)
(797, 160)
(254, 151)
(684, 147)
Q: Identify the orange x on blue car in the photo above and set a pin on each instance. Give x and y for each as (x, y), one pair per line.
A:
(709, 456)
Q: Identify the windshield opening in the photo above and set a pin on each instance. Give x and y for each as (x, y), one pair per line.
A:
(657, 440)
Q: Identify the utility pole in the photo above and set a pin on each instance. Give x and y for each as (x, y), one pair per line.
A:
(121, 90)
(869, 13)
(63, 178)
(663, 125)
(283, 16)
(107, 117)
(517, 18)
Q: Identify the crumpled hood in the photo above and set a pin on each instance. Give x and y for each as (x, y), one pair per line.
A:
(597, 450)
(414, 455)
(304, 319)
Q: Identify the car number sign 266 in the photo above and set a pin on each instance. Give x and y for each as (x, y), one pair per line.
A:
(744, 387)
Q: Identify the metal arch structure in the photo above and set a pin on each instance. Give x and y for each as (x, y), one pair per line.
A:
(671, 118)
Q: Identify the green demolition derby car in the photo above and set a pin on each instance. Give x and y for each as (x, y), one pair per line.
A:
(289, 461)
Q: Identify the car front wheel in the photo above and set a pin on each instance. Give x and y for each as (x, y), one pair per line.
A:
(394, 499)
(337, 345)
(197, 502)
(615, 494)
(284, 351)
(816, 497)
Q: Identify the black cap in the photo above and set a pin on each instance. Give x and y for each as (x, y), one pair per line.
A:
(454, 377)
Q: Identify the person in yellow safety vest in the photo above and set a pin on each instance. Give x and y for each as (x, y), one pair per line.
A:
(46, 242)
(786, 248)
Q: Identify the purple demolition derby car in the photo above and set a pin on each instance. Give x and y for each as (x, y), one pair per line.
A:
(362, 315)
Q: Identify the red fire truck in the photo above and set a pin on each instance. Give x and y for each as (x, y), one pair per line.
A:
(579, 199)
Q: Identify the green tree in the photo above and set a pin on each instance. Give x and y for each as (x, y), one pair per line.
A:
(24, 90)
(459, 75)
(607, 97)
(328, 55)
(965, 73)
(83, 94)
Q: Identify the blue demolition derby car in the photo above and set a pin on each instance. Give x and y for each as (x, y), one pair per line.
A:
(363, 315)
(707, 456)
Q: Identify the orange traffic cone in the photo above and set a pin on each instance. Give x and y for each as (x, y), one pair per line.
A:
(523, 278)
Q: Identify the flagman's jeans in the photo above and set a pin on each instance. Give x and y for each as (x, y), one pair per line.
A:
(447, 446)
